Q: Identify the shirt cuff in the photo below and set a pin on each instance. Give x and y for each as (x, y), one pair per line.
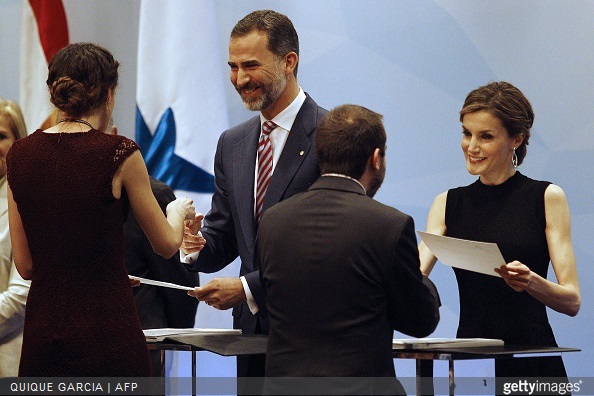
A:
(250, 298)
(188, 258)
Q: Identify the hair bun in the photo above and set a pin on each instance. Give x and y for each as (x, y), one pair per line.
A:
(69, 95)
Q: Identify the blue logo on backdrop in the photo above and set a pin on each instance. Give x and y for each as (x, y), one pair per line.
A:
(163, 164)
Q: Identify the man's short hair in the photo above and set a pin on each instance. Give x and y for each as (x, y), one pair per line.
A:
(347, 137)
(282, 36)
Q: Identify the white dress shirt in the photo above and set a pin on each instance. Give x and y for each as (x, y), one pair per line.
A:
(278, 137)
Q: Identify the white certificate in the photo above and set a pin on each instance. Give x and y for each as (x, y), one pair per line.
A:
(475, 256)
(159, 283)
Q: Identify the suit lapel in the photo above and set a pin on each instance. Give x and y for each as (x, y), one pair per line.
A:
(295, 151)
(244, 154)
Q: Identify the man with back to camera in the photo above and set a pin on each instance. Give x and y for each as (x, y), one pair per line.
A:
(341, 271)
(257, 164)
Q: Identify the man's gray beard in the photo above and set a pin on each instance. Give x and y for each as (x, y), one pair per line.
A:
(268, 98)
(254, 105)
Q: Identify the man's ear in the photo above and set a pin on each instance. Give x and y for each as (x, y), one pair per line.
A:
(376, 159)
(291, 60)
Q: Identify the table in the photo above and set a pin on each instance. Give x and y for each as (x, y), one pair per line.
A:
(234, 345)
(472, 353)
(224, 344)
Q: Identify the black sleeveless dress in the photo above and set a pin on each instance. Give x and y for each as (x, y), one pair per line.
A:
(80, 318)
(512, 215)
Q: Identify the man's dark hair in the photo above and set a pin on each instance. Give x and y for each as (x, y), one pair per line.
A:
(282, 36)
(347, 137)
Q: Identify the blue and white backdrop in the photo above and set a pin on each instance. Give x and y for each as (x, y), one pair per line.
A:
(413, 61)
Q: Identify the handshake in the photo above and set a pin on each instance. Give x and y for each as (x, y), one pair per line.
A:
(182, 206)
(192, 241)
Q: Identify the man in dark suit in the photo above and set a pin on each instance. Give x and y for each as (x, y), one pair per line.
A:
(263, 59)
(341, 270)
(158, 307)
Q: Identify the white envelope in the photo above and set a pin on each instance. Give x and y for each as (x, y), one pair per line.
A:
(481, 257)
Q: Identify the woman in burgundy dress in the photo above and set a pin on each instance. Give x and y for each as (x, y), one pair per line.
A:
(70, 187)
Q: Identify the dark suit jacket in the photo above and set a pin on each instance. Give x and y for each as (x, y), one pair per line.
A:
(229, 227)
(158, 306)
(341, 272)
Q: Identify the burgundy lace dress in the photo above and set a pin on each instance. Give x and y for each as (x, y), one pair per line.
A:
(80, 317)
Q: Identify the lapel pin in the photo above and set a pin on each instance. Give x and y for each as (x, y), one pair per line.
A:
(301, 152)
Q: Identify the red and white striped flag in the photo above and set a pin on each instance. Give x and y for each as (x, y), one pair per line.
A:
(44, 31)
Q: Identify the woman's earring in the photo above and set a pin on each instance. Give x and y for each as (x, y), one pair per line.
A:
(515, 158)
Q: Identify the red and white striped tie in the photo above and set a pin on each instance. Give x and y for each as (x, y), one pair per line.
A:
(264, 166)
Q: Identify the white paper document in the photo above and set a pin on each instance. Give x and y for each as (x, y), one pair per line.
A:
(157, 335)
(439, 343)
(481, 257)
(159, 283)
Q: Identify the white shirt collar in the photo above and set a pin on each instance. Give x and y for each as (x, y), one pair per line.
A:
(286, 118)
(346, 177)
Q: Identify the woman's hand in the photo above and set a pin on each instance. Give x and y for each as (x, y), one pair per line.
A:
(517, 275)
(134, 282)
(184, 206)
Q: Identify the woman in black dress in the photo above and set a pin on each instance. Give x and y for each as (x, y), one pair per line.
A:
(528, 219)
